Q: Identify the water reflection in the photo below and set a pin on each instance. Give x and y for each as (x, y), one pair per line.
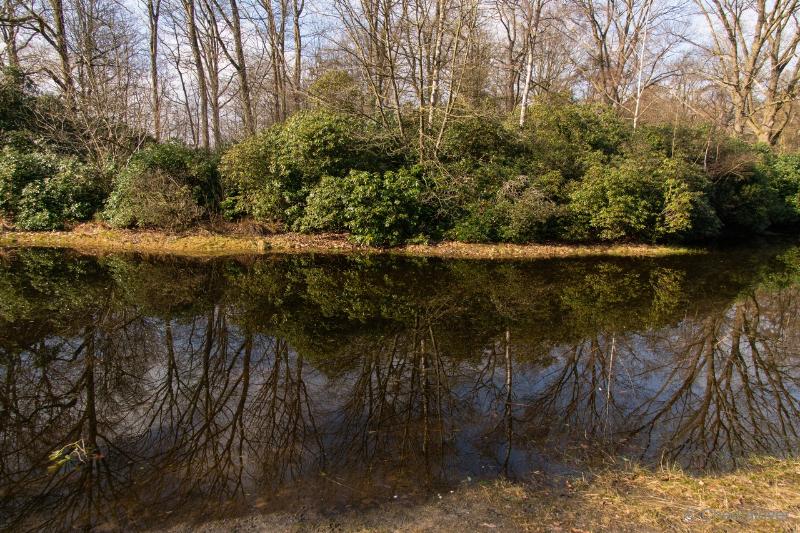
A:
(209, 387)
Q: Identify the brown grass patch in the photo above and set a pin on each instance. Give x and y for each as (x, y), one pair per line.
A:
(762, 496)
(96, 238)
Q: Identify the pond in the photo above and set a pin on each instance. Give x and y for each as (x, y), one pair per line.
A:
(184, 390)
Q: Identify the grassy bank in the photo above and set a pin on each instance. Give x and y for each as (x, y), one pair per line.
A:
(96, 239)
(763, 495)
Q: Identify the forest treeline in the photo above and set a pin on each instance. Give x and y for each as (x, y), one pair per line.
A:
(211, 71)
(574, 172)
(397, 120)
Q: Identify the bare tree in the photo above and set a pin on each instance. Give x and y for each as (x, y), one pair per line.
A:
(200, 75)
(755, 47)
(238, 61)
(153, 15)
(10, 32)
(209, 65)
(622, 47)
(533, 28)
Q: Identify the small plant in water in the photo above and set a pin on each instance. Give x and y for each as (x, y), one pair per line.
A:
(72, 452)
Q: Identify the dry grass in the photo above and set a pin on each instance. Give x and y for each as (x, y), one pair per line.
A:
(93, 238)
(763, 496)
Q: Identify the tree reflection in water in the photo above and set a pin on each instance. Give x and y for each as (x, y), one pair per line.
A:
(207, 387)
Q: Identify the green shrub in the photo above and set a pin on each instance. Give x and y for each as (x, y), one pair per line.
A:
(253, 177)
(740, 192)
(566, 136)
(314, 144)
(376, 208)
(687, 214)
(478, 222)
(784, 176)
(321, 143)
(641, 199)
(521, 210)
(325, 207)
(269, 176)
(72, 194)
(337, 90)
(468, 194)
(743, 202)
(477, 140)
(616, 202)
(529, 209)
(40, 191)
(152, 200)
(18, 169)
(164, 186)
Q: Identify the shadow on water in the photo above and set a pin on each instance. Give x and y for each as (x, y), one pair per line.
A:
(284, 382)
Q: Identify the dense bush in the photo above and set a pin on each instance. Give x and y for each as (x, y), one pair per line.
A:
(42, 191)
(17, 170)
(253, 178)
(376, 208)
(521, 210)
(529, 208)
(165, 186)
(16, 100)
(336, 90)
(511, 184)
(642, 200)
(477, 140)
(320, 143)
(687, 214)
(565, 136)
(616, 201)
(575, 172)
(269, 175)
(742, 193)
(325, 207)
(783, 174)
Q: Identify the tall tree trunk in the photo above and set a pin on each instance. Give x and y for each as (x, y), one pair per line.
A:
(276, 29)
(511, 79)
(436, 60)
(297, 11)
(526, 87)
(9, 30)
(62, 49)
(214, 103)
(153, 13)
(202, 88)
(210, 44)
(241, 69)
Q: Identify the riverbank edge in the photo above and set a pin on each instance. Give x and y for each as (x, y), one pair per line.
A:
(98, 240)
(761, 495)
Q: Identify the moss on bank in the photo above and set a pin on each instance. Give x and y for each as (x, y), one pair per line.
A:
(206, 244)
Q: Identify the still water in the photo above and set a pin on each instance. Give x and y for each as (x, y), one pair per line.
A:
(195, 389)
